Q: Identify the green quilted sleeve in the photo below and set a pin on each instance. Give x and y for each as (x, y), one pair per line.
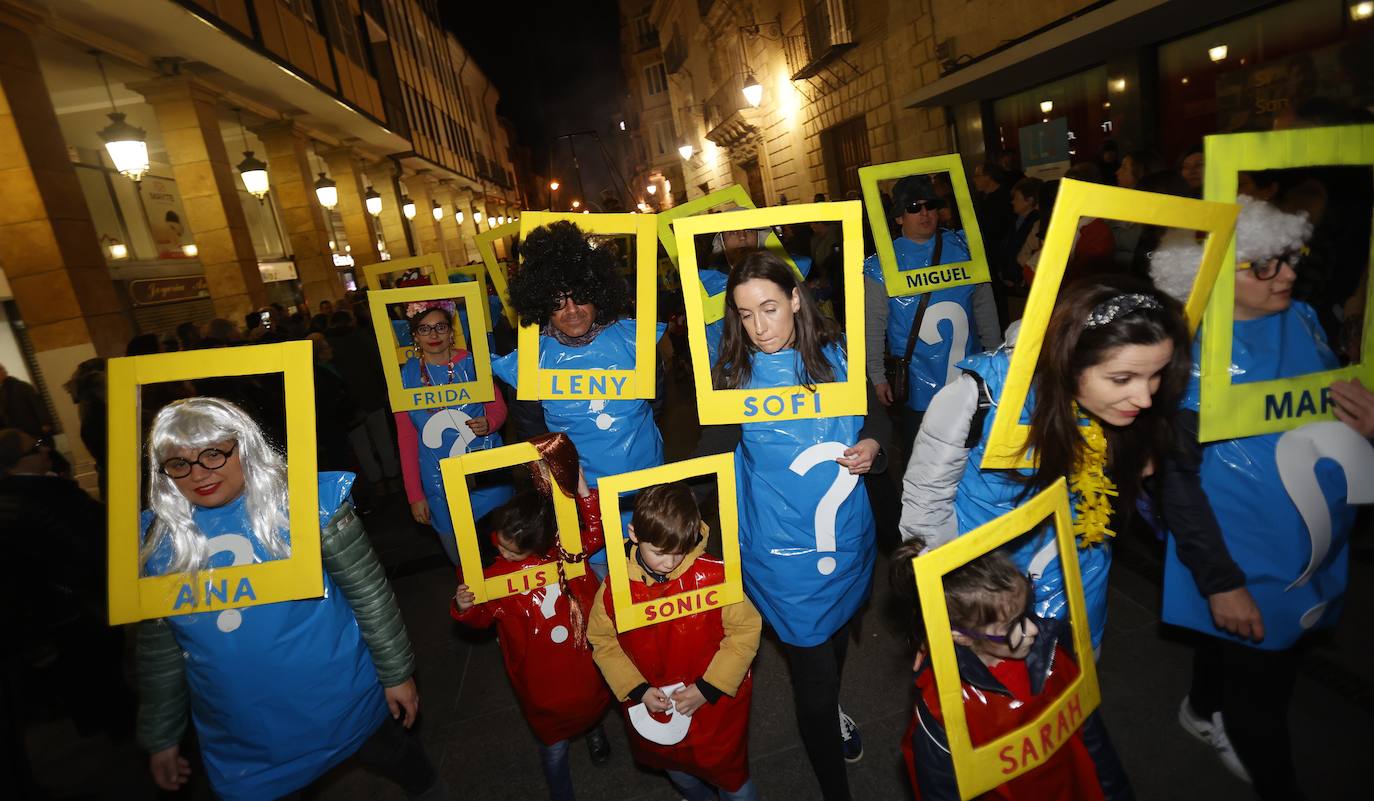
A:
(162, 694)
(348, 557)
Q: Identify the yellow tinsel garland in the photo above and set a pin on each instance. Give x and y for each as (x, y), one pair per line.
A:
(1092, 488)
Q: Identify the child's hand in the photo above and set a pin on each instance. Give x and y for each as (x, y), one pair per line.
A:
(582, 489)
(170, 769)
(404, 702)
(480, 426)
(420, 511)
(688, 700)
(656, 701)
(464, 598)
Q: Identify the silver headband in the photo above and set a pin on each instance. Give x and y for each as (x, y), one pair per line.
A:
(1119, 306)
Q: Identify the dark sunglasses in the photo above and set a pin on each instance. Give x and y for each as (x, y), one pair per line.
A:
(918, 206)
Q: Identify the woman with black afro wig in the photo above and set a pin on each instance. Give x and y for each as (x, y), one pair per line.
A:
(569, 287)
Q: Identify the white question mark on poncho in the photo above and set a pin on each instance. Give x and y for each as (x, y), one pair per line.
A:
(241, 549)
(547, 606)
(829, 507)
(444, 420)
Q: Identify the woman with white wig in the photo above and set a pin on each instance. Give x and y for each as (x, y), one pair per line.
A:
(279, 693)
(1247, 564)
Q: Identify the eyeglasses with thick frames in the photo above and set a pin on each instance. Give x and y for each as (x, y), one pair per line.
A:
(210, 459)
(438, 328)
(1015, 634)
(918, 206)
(1266, 270)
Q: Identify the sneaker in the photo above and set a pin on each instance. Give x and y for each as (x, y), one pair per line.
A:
(1212, 732)
(598, 746)
(849, 733)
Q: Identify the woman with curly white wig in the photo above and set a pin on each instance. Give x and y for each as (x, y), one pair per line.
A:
(1245, 565)
(281, 692)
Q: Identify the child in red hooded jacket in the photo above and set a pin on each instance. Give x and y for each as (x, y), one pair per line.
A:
(1012, 665)
(547, 657)
(685, 682)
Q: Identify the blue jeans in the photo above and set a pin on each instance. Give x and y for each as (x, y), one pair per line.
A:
(694, 789)
(557, 770)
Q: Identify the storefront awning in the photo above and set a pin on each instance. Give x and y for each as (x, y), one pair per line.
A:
(1079, 42)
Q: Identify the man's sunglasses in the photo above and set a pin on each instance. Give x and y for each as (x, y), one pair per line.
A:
(918, 206)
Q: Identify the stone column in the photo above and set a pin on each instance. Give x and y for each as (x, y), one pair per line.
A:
(456, 247)
(188, 115)
(347, 171)
(421, 189)
(391, 221)
(48, 245)
(293, 186)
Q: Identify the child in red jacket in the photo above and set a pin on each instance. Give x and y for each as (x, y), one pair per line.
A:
(547, 657)
(1012, 665)
(684, 683)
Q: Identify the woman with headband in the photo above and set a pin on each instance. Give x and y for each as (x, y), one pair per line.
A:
(1112, 369)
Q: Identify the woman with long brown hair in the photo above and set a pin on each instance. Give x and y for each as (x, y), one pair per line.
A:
(808, 578)
(1112, 369)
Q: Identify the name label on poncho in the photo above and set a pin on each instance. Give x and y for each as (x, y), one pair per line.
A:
(937, 276)
(433, 396)
(1041, 743)
(1280, 405)
(683, 604)
(772, 405)
(215, 593)
(582, 384)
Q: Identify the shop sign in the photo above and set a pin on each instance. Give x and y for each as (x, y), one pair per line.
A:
(154, 291)
(1045, 148)
(274, 271)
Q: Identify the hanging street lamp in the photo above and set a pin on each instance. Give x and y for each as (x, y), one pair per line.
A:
(373, 201)
(126, 144)
(327, 191)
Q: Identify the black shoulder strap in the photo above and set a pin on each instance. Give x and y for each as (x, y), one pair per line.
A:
(980, 414)
(925, 301)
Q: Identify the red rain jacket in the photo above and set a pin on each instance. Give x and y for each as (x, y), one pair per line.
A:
(560, 690)
(716, 748)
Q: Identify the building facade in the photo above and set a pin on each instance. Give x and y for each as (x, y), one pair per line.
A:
(837, 84)
(372, 97)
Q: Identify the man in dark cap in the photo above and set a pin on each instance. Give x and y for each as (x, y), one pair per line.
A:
(948, 322)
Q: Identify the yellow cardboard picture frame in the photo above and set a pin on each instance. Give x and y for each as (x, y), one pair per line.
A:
(901, 283)
(134, 597)
(981, 768)
(438, 269)
(486, 248)
(1007, 438)
(536, 383)
(455, 471)
(848, 397)
(403, 399)
(630, 615)
(734, 193)
(1231, 411)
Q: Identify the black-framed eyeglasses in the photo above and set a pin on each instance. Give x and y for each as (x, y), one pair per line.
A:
(1266, 270)
(1016, 631)
(918, 206)
(425, 329)
(210, 459)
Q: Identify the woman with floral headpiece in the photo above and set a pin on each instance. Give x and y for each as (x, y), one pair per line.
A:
(425, 436)
(1112, 368)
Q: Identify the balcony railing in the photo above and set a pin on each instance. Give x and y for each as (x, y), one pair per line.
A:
(727, 100)
(825, 30)
(675, 55)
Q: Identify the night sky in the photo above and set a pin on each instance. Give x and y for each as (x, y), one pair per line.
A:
(557, 66)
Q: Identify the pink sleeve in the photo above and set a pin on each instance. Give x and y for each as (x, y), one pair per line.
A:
(496, 410)
(409, 444)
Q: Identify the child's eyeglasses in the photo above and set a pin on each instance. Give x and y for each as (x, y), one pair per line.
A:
(1016, 631)
(1266, 270)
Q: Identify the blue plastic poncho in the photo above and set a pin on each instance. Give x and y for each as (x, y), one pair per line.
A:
(947, 332)
(806, 529)
(443, 433)
(1295, 560)
(282, 692)
(984, 495)
(612, 436)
